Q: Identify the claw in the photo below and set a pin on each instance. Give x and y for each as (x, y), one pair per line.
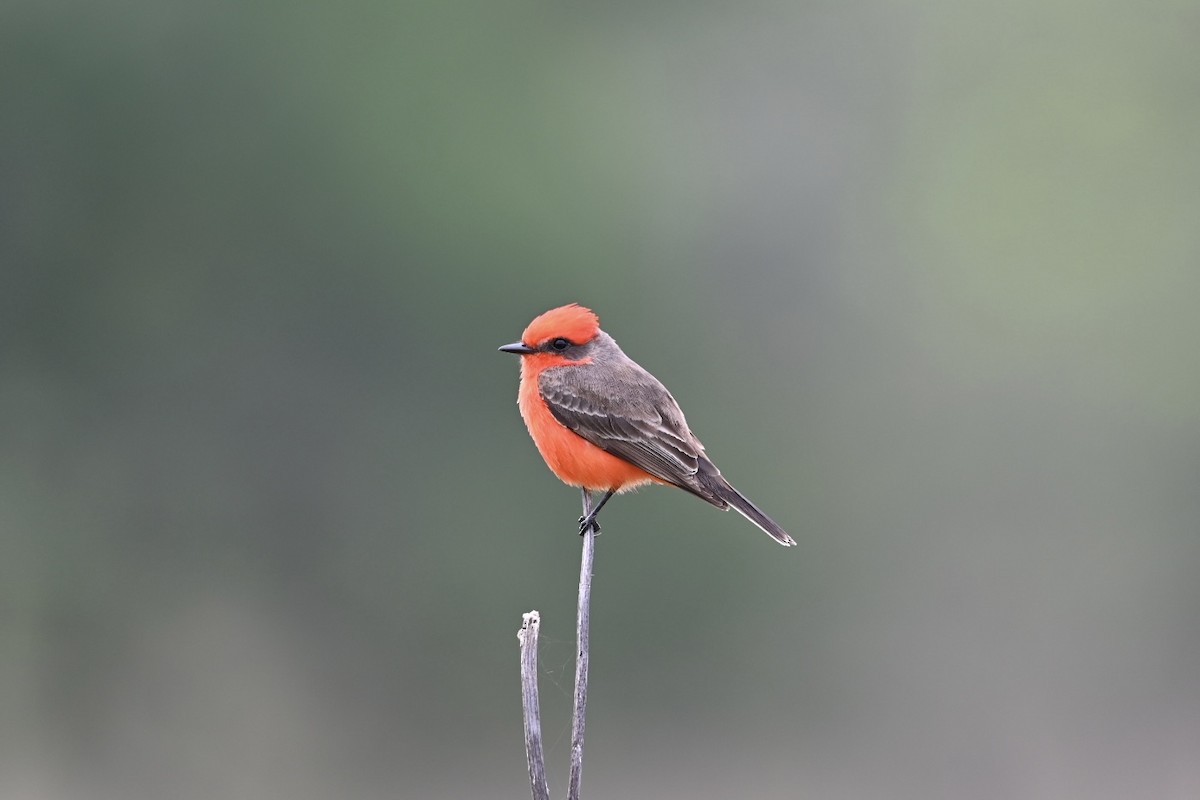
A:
(590, 520)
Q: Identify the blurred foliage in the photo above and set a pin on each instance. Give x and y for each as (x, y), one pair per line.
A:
(922, 277)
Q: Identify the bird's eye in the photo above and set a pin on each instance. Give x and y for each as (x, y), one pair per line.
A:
(560, 344)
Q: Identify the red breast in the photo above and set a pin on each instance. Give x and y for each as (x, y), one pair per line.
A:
(572, 458)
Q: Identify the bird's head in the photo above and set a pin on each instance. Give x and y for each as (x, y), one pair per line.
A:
(559, 336)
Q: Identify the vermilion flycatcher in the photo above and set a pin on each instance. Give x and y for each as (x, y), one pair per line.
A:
(603, 423)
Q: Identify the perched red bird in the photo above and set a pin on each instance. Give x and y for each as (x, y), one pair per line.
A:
(603, 423)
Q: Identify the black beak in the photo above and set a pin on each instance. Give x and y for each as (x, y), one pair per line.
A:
(517, 347)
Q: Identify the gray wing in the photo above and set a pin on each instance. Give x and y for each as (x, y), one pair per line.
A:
(631, 415)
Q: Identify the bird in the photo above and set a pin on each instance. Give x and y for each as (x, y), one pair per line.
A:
(603, 423)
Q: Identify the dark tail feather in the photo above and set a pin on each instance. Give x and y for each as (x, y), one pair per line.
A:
(743, 506)
(709, 485)
(755, 514)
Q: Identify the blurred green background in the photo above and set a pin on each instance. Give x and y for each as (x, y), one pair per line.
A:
(924, 277)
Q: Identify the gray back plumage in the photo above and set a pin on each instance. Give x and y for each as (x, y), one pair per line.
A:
(623, 409)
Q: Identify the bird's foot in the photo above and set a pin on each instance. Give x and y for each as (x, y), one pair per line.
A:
(588, 521)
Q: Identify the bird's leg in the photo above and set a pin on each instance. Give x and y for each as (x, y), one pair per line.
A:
(590, 519)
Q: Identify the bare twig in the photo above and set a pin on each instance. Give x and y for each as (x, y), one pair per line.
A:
(581, 653)
(528, 636)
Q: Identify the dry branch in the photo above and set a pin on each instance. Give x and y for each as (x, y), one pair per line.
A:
(528, 636)
(530, 707)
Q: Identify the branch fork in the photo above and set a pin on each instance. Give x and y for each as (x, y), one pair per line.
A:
(528, 637)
